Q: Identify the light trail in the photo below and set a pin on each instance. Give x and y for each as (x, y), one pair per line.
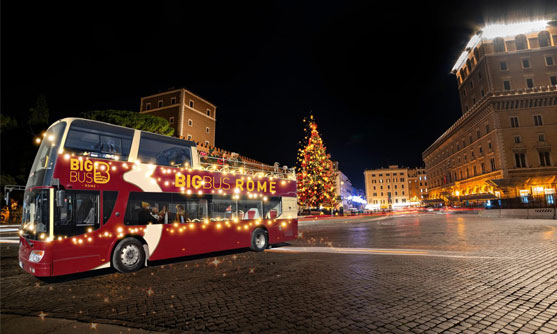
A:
(373, 251)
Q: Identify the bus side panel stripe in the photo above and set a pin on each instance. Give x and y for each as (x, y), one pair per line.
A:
(153, 233)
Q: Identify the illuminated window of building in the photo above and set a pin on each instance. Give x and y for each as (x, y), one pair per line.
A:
(543, 38)
(538, 120)
(521, 42)
(499, 44)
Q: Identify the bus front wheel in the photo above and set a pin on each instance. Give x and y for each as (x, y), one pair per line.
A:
(128, 255)
(259, 240)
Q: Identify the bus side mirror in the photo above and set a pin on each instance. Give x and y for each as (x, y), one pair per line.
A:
(60, 198)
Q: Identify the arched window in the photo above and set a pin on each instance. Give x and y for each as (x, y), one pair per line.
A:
(543, 38)
(499, 44)
(520, 41)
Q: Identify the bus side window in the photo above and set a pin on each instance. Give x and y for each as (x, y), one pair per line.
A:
(78, 215)
(163, 151)
(272, 208)
(189, 209)
(252, 209)
(109, 200)
(222, 209)
(149, 208)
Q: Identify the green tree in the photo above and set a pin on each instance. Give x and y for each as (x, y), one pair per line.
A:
(7, 122)
(131, 119)
(38, 116)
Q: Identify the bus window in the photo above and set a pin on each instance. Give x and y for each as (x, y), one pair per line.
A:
(149, 208)
(223, 209)
(99, 140)
(249, 209)
(164, 151)
(43, 166)
(272, 208)
(196, 209)
(78, 215)
(109, 200)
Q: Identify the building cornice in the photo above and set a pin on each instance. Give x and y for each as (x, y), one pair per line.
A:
(482, 105)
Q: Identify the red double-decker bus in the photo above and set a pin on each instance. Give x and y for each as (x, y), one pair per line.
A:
(101, 195)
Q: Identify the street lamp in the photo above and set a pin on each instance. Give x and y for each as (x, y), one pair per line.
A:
(457, 193)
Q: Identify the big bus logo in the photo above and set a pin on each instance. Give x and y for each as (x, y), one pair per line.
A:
(86, 171)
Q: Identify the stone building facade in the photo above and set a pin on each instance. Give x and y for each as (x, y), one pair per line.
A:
(503, 145)
(191, 116)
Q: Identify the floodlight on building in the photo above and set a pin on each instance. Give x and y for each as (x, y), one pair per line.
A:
(512, 29)
(498, 30)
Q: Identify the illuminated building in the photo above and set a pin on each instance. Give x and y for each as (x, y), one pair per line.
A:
(387, 188)
(417, 184)
(503, 144)
(343, 188)
(191, 116)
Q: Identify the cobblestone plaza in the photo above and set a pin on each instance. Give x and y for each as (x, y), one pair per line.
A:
(453, 273)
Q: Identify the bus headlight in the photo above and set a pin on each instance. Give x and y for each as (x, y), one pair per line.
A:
(36, 256)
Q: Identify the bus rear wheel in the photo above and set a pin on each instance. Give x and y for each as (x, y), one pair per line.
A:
(259, 240)
(128, 255)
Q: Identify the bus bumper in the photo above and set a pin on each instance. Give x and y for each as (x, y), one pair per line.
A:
(41, 269)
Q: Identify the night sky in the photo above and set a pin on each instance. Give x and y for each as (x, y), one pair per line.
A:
(374, 74)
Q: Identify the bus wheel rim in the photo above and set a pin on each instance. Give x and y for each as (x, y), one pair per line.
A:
(260, 240)
(130, 255)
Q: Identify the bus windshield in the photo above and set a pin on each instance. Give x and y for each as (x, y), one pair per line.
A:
(43, 166)
(35, 217)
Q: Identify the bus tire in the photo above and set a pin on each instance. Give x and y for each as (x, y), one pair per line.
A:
(259, 240)
(128, 255)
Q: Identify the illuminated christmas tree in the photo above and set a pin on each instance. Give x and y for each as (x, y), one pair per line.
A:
(316, 175)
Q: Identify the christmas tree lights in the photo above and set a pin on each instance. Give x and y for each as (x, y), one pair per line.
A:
(315, 174)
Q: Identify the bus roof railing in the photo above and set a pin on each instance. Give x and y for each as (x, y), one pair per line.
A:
(220, 164)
